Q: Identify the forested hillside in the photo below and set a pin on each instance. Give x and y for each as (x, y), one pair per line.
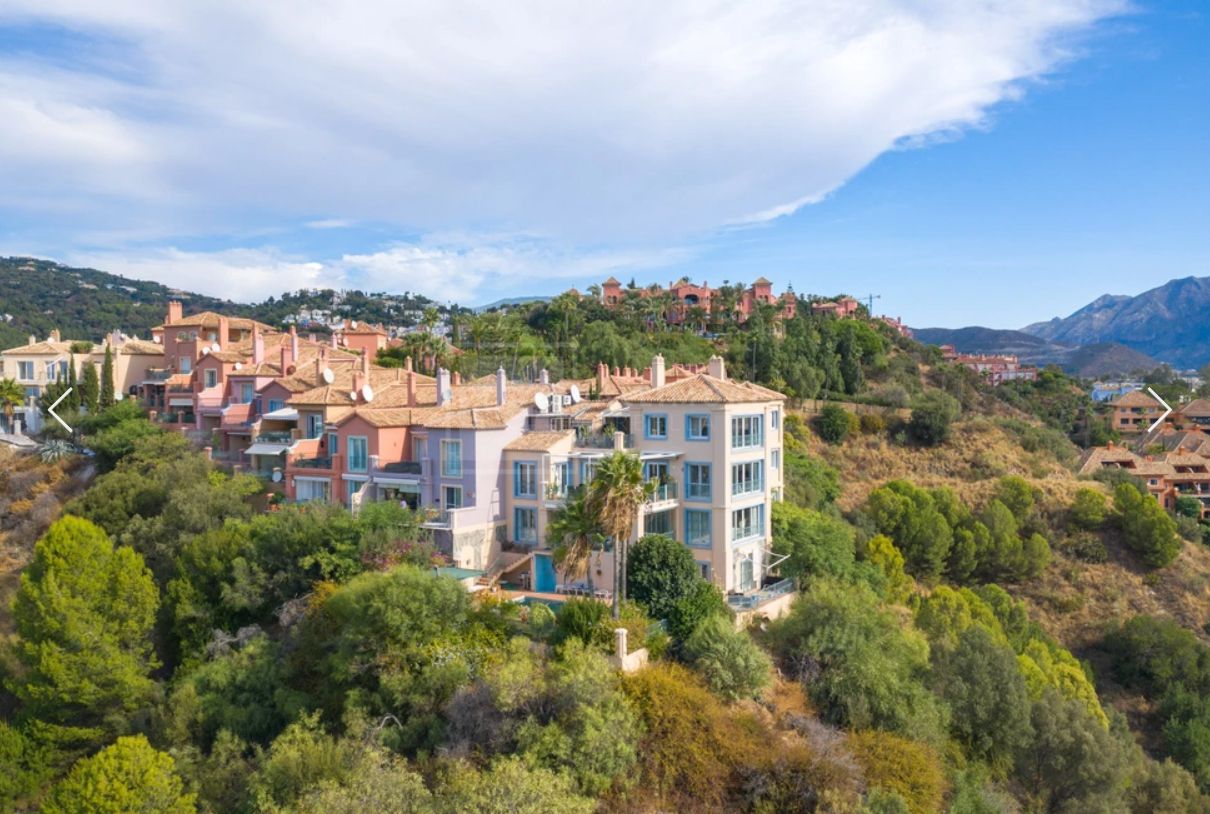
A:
(976, 630)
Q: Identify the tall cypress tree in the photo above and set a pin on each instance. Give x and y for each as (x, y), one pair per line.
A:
(72, 402)
(90, 388)
(106, 398)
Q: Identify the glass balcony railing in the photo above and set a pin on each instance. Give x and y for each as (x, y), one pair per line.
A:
(318, 462)
(603, 440)
(664, 491)
(754, 599)
(276, 437)
(401, 468)
(744, 532)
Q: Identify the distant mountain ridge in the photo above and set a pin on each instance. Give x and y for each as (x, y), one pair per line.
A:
(1170, 322)
(1090, 361)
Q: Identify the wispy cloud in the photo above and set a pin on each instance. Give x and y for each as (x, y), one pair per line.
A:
(621, 124)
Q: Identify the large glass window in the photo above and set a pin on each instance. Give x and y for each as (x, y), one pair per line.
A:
(746, 431)
(451, 459)
(306, 491)
(655, 426)
(525, 522)
(525, 479)
(697, 427)
(275, 405)
(246, 391)
(25, 371)
(333, 443)
(658, 523)
(747, 477)
(315, 425)
(697, 528)
(748, 522)
(697, 482)
(775, 459)
(358, 459)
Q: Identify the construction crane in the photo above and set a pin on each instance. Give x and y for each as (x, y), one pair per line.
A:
(869, 300)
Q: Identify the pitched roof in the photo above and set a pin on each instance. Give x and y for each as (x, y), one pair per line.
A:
(1098, 457)
(703, 388)
(539, 441)
(1135, 398)
(44, 348)
(762, 281)
(1197, 408)
(209, 319)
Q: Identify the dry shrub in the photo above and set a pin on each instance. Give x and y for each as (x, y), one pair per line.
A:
(910, 769)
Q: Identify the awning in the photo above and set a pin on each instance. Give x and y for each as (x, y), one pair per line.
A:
(284, 414)
(267, 449)
(178, 401)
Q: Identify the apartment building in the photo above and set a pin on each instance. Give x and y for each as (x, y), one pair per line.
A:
(34, 366)
(994, 368)
(1134, 412)
(1173, 464)
(688, 298)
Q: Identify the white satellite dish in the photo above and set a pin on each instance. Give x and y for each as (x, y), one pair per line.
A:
(328, 375)
(352, 395)
(541, 402)
(367, 393)
(238, 365)
(575, 394)
(205, 351)
(216, 347)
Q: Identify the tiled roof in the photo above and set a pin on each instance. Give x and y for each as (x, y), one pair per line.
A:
(390, 417)
(1135, 398)
(1096, 458)
(140, 347)
(45, 348)
(539, 441)
(704, 389)
(1199, 408)
(209, 319)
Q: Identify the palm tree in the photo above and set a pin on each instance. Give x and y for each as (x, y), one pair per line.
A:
(574, 532)
(616, 494)
(12, 396)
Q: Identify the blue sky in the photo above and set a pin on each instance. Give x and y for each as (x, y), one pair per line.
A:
(994, 164)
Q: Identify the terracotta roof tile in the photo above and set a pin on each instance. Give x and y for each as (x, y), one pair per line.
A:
(539, 441)
(704, 389)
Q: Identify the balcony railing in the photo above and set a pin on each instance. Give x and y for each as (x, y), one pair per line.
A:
(318, 462)
(157, 374)
(754, 599)
(437, 518)
(177, 418)
(401, 468)
(666, 490)
(603, 440)
(282, 437)
(744, 532)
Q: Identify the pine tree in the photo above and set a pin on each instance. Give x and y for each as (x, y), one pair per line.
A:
(106, 398)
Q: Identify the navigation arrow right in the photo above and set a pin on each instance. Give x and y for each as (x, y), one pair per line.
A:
(1167, 409)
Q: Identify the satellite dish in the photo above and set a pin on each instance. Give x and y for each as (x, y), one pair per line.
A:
(575, 394)
(367, 393)
(205, 351)
(238, 365)
(216, 347)
(277, 476)
(541, 402)
(352, 395)
(328, 375)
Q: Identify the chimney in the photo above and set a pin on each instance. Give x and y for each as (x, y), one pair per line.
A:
(544, 376)
(501, 386)
(33, 340)
(258, 346)
(716, 368)
(443, 387)
(224, 330)
(176, 312)
(332, 340)
(55, 336)
(285, 360)
(456, 379)
(407, 363)
(411, 389)
(657, 370)
(602, 375)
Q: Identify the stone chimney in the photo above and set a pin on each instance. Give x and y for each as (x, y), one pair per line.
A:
(258, 346)
(716, 368)
(544, 376)
(313, 338)
(55, 336)
(176, 312)
(621, 645)
(224, 331)
(443, 387)
(293, 344)
(411, 388)
(657, 370)
(33, 340)
(501, 386)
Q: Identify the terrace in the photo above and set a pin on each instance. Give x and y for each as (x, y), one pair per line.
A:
(763, 596)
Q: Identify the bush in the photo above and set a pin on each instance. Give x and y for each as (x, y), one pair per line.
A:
(732, 664)
(1146, 527)
(911, 770)
(702, 602)
(1088, 510)
(815, 543)
(932, 414)
(872, 424)
(127, 776)
(582, 619)
(1189, 507)
(832, 424)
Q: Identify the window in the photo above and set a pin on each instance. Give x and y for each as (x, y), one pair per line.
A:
(775, 419)
(452, 497)
(697, 482)
(419, 449)
(746, 431)
(451, 459)
(747, 580)
(561, 479)
(25, 370)
(747, 478)
(525, 479)
(245, 392)
(525, 525)
(697, 528)
(306, 491)
(210, 378)
(315, 425)
(658, 523)
(333, 443)
(697, 427)
(775, 459)
(276, 404)
(655, 426)
(52, 371)
(704, 569)
(748, 522)
(358, 453)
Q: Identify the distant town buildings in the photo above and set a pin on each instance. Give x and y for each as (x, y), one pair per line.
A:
(994, 368)
(690, 302)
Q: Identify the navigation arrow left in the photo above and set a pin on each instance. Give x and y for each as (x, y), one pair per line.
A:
(52, 407)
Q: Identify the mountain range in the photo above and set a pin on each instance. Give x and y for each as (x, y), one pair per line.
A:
(1089, 361)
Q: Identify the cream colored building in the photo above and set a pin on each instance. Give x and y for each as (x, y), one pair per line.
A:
(35, 365)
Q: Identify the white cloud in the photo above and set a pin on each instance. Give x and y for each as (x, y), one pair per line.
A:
(623, 124)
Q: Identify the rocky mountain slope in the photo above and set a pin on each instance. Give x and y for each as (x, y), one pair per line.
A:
(1170, 322)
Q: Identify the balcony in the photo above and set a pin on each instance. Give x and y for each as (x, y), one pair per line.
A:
(157, 374)
(603, 440)
(664, 492)
(413, 468)
(746, 532)
(318, 462)
(754, 599)
(282, 437)
(176, 418)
